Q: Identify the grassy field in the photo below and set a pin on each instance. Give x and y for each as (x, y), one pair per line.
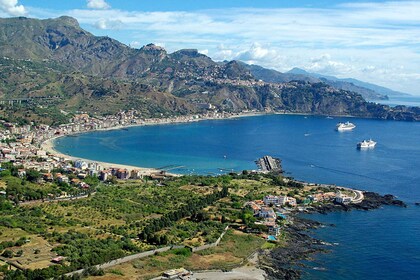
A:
(232, 251)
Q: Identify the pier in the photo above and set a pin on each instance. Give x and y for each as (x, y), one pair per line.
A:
(269, 164)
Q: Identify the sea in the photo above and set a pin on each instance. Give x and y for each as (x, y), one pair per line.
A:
(376, 244)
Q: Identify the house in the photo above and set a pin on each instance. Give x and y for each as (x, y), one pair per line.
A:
(158, 175)
(343, 199)
(41, 153)
(62, 178)
(136, 174)
(83, 185)
(273, 229)
(291, 201)
(92, 172)
(253, 206)
(58, 259)
(48, 177)
(266, 212)
(271, 199)
(81, 175)
(122, 174)
(74, 181)
(21, 173)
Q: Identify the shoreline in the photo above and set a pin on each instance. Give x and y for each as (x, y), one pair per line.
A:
(49, 147)
(288, 261)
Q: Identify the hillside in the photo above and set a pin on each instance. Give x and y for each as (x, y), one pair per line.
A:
(274, 76)
(53, 66)
(346, 82)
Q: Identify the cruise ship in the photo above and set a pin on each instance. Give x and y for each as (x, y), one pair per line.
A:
(345, 126)
(365, 144)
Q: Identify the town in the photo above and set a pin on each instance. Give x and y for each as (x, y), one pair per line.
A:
(23, 146)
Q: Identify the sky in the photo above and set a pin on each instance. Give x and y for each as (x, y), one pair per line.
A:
(373, 41)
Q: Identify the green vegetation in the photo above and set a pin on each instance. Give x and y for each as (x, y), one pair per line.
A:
(27, 187)
(134, 216)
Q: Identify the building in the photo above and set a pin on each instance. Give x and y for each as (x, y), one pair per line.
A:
(62, 178)
(342, 199)
(253, 206)
(104, 175)
(271, 199)
(279, 200)
(81, 164)
(267, 212)
(291, 201)
(273, 229)
(136, 174)
(21, 173)
(122, 174)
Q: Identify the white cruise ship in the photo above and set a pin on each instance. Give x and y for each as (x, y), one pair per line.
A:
(345, 126)
(365, 144)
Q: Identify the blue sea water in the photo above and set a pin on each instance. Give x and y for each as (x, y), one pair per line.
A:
(407, 100)
(379, 244)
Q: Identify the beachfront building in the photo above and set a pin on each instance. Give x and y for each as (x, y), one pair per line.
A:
(122, 174)
(136, 174)
(81, 164)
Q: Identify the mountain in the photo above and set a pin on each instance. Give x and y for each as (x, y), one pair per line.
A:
(378, 89)
(274, 76)
(52, 67)
(355, 82)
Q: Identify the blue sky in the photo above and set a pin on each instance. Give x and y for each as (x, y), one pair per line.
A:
(375, 41)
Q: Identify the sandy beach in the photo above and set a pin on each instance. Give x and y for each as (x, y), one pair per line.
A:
(48, 146)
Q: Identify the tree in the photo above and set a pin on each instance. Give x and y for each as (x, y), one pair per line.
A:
(32, 175)
(8, 254)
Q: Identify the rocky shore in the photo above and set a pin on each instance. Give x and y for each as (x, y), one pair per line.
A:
(370, 201)
(285, 262)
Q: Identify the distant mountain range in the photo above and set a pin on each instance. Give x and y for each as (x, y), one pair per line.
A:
(367, 90)
(55, 67)
(355, 82)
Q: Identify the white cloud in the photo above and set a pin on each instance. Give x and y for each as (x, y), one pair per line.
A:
(98, 4)
(360, 40)
(108, 24)
(12, 8)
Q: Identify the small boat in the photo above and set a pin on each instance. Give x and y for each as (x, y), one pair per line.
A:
(319, 268)
(366, 144)
(345, 126)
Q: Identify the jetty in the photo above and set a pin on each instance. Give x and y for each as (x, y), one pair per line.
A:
(269, 164)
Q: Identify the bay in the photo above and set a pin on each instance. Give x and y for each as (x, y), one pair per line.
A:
(380, 244)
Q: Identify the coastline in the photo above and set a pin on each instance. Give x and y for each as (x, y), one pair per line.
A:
(49, 147)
